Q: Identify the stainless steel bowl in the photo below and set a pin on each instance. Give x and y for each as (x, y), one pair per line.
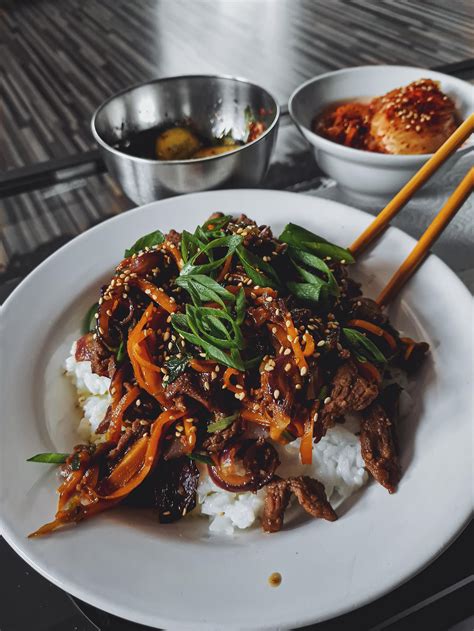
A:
(214, 104)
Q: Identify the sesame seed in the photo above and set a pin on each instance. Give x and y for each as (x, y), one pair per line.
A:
(166, 336)
(217, 367)
(269, 299)
(179, 428)
(289, 338)
(327, 400)
(298, 386)
(206, 385)
(138, 403)
(303, 371)
(239, 395)
(287, 351)
(213, 375)
(288, 322)
(239, 387)
(274, 329)
(276, 394)
(287, 367)
(321, 343)
(315, 417)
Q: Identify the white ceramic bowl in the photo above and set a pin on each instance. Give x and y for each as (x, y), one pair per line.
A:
(358, 171)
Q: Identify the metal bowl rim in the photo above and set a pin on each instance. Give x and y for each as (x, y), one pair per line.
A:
(349, 153)
(100, 141)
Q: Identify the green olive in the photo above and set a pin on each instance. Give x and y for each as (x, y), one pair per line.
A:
(207, 152)
(177, 143)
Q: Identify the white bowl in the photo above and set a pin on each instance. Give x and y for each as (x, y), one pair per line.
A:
(363, 172)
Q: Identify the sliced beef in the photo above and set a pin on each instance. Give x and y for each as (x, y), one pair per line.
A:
(218, 440)
(311, 495)
(367, 309)
(412, 355)
(173, 448)
(190, 386)
(350, 393)
(173, 237)
(89, 348)
(129, 436)
(170, 489)
(309, 492)
(276, 502)
(379, 445)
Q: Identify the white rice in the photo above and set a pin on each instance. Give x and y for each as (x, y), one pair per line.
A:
(337, 460)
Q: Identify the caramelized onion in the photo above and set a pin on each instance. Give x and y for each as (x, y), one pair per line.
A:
(245, 466)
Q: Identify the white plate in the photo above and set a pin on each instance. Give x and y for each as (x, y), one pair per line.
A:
(176, 576)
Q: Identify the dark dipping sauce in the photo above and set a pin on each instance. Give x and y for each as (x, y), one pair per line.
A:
(182, 141)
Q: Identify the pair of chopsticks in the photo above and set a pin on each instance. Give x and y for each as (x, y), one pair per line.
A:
(439, 223)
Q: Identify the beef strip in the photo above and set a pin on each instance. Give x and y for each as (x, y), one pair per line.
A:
(276, 502)
(219, 440)
(173, 448)
(379, 445)
(173, 237)
(188, 385)
(367, 309)
(309, 492)
(131, 434)
(411, 360)
(350, 393)
(311, 495)
(90, 348)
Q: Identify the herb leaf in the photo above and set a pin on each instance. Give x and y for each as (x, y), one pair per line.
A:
(51, 457)
(202, 288)
(363, 348)
(303, 239)
(147, 241)
(312, 261)
(311, 292)
(222, 423)
(121, 352)
(201, 458)
(230, 242)
(176, 366)
(257, 269)
(89, 321)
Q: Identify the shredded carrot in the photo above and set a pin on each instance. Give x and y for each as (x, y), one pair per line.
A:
(306, 444)
(112, 485)
(225, 269)
(175, 253)
(376, 330)
(369, 371)
(254, 417)
(410, 345)
(200, 365)
(279, 422)
(115, 427)
(146, 373)
(309, 345)
(296, 427)
(230, 372)
(294, 340)
(157, 295)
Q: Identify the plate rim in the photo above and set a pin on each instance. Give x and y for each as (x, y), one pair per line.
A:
(129, 614)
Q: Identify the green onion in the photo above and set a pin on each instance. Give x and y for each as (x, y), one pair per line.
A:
(51, 457)
(363, 348)
(201, 458)
(220, 424)
(258, 270)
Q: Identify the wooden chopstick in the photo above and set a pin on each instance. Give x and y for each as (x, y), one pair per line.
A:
(403, 196)
(421, 249)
